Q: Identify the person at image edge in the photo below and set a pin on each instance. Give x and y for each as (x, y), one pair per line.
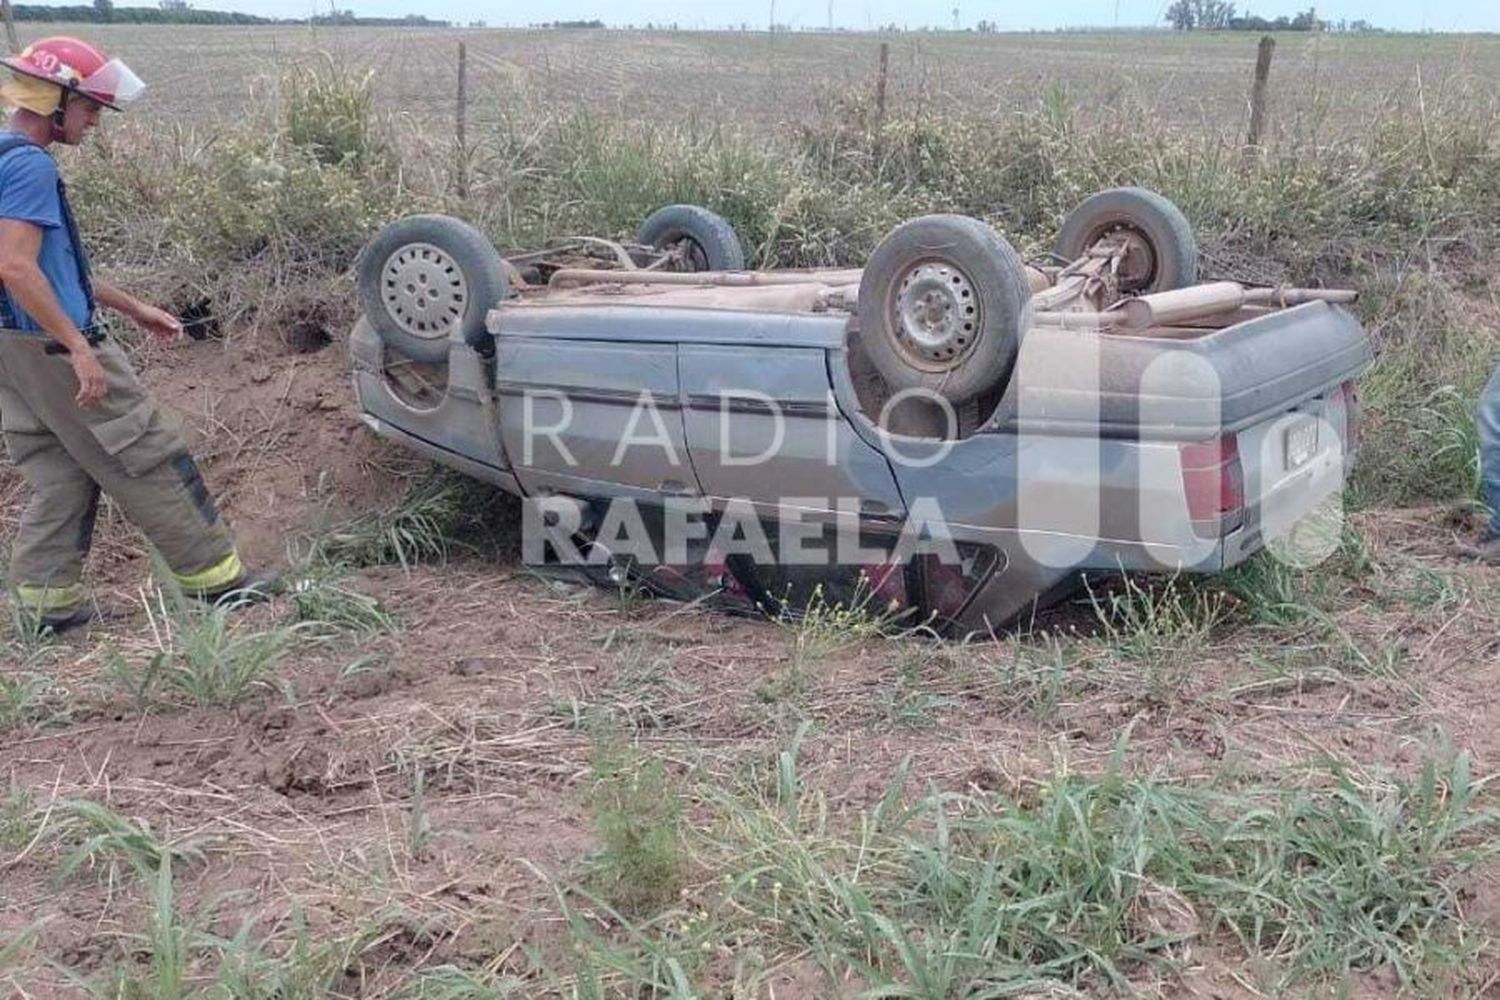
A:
(77, 421)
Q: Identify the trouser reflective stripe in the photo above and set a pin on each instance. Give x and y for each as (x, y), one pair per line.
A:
(218, 576)
(44, 600)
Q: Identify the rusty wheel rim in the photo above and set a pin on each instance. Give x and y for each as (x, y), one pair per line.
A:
(936, 316)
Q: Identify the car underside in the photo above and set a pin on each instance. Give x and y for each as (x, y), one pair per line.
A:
(948, 436)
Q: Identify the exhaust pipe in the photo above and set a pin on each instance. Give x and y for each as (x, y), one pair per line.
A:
(710, 279)
(1167, 308)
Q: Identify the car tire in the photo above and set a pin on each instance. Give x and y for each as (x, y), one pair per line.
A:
(942, 306)
(1165, 231)
(713, 245)
(425, 277)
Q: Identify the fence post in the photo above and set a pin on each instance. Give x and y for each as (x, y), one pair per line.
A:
(10, 27)
(885, 68)
(1258, 92)
(460, 126)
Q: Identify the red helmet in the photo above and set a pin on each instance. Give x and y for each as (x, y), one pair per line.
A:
(78, 68)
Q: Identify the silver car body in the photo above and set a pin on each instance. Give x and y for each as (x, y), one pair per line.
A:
(1085, 463)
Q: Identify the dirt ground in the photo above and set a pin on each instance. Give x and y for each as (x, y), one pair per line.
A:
(306, 806)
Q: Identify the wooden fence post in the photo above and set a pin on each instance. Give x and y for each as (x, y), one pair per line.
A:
(1258, 92)
(10, 27)
(460, 126)
(885, 68)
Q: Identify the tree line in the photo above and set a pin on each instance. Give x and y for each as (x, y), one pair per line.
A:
(1220, 15)
(177, 12)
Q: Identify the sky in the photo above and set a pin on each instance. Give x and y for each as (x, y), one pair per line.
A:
(1010, 15)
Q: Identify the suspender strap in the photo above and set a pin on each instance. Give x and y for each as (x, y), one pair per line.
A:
(85, 276)
(9, 143)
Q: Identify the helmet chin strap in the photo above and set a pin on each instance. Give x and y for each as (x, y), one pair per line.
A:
(59, 115)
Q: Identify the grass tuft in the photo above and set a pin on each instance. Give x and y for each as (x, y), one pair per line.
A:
(640, 864)
(1090, 883)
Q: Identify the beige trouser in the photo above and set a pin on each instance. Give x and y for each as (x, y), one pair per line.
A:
(125, 446)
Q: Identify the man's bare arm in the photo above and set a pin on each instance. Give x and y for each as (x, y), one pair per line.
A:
(114, 298)
(29, 288)
(159, 323)
(20, 243)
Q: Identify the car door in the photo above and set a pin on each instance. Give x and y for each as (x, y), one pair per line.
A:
(762, 425)
(593, 418)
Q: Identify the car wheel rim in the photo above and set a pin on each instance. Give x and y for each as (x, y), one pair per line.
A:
(424, 290)
(937, 315)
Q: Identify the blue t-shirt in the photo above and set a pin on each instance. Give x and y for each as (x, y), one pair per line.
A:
(28, 192)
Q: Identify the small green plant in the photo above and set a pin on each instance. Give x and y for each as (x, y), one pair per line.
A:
(449, 982)
(641, 863)
(1269, 590)
(1430, 589)
(822, 626)
(441, 513)
(206, 656)
(320, 600)
(907, 704)
(1150, 622)
(1081, 884)
(419, 832)
(12, 951)
(252, 969)
(167, 944)
(18, 820)
(1445, 429)
(99, 835)
(31, 698)
(363, 666)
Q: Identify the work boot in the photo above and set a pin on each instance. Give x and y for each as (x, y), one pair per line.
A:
(252, 587)
(57, 623)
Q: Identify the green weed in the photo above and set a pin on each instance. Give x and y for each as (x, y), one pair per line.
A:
(18, 819)
(32, 698)
(205, 656)
(907, 704)
(323, 602)
(454, 983)
(97, 835)
(1153, 621)
(328, 111)
(1090, 884)
(640, 863)
(440, 514)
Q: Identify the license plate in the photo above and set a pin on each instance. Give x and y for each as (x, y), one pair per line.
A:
(1301, 443)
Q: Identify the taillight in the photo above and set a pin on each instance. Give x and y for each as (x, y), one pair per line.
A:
(1214, 481)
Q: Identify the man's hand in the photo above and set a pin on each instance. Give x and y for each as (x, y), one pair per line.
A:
(91, 379)
(158, 322)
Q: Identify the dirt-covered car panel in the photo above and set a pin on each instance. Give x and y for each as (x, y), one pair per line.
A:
(1029, 421)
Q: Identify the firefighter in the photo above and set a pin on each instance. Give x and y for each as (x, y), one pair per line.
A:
(76, 419)
(1488, 418)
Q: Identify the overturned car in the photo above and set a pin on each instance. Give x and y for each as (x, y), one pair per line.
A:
(949, 432)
